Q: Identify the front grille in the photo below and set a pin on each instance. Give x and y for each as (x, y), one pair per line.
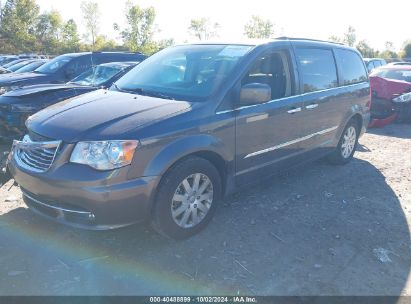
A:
(33, 155)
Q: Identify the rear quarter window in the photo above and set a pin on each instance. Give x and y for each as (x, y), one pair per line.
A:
(317, 68)
(351, 66)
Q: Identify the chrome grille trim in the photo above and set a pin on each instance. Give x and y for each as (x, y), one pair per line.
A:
(33, 155)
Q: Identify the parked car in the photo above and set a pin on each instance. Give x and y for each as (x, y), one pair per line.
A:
(391, 95)
(32, 66)
(187, 126)
(16, 106)
(13, 62)
(3, 71)
(15, 67)
(7, 58)
(63, 68)
(373, 63)
(400, 63)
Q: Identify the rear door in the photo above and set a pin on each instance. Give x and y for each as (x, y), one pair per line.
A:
(268, 134)
(324, 107)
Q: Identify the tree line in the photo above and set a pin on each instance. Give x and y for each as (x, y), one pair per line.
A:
(23, 28)
(350, 38)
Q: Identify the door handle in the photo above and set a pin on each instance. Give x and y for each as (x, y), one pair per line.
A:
(312, 106)
(294, 110)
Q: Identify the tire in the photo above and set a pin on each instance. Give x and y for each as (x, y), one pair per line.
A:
(343, 154)
(179, 212)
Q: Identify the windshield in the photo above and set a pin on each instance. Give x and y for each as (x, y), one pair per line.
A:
(97, 75)
(11, 63)
(403, 75)
(17, 66)
(191, 72)
(54, 65)
(30, 67)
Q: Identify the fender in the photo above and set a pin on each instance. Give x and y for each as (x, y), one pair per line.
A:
(185, 146)
(354, 110)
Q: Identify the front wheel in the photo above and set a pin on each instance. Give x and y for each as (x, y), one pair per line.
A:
(347, 145)
(186, 199)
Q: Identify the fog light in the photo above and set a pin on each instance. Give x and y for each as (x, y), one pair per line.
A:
(91, 217)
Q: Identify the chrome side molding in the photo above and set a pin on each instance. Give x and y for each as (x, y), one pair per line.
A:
(292, 142)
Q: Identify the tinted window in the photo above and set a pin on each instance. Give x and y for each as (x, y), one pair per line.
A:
(271, 69)
(79, 65)
(317, 68)
(352, 67)
(377, 63)
(370, 66)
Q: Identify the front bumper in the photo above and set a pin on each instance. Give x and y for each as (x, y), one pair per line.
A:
(83, 197)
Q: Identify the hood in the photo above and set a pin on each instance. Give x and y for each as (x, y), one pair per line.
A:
(102, 115)
(45, 88)
(20, 78)
(389, 88)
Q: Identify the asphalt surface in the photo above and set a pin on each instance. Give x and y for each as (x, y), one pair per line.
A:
(316, 230)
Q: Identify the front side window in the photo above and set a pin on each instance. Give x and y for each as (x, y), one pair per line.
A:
(317, 68)
(352, 67)
(191, 72)
(54, 65)
(272, 69)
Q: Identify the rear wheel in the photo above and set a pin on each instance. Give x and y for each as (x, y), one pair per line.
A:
(347, 144)
(186, 198)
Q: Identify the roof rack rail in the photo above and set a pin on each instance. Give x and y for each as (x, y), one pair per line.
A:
(307, 39)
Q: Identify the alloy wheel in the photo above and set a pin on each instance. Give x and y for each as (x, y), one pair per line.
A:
(192, 200)
(349, 141)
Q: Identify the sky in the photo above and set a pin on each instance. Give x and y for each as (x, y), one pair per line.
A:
(317, 19)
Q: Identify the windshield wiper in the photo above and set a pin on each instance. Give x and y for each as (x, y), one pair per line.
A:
(156, 94)
(143, 92)
(120, 89)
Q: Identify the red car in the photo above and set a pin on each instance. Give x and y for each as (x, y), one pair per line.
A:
(391, 95)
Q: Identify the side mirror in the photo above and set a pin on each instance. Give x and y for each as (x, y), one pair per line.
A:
(255, 93)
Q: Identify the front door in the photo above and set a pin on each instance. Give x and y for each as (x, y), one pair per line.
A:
(270, 132)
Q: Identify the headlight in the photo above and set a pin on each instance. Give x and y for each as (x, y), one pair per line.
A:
(403, 98)
(104, 155)
(22, 108)
(4, 90)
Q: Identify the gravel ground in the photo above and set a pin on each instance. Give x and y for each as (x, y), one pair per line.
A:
(317, 230)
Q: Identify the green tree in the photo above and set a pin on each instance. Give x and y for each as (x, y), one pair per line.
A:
(406, 50)
(48, 32)
(140, 29)
(335, 38)
(350, 37)
(203, 28)
(389, 52)
(104, 44)
(70, 37)
(91, 16)
(259, 28)
(17, 27)
(366, 50)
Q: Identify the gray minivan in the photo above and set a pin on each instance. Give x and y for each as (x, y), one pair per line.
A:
(187, 126)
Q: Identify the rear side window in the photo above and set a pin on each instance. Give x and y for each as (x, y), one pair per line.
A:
(317, 68)
(352, 67)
